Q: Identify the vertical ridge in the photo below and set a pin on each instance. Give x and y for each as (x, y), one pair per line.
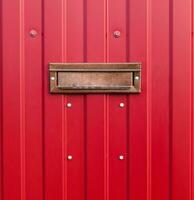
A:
(63, 124)
(127, 103)
(127, 30)
(191, 157)
(149, 102)
(106, 144)
(1, 100)
(85, 49)
(64, 35)
(170, 95)
(107, 29)
(65, 149)
(85, 31)
(106, 106)
(127, 147)
(85, 146)
(192, 100)
(43, 100)
(108, 160)
(22, 101)
(63, 108)
(105, 149)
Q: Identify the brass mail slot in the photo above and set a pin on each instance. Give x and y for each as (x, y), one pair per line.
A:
(95, 77)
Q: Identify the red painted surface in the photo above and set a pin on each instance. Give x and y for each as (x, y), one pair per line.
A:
(154, 131)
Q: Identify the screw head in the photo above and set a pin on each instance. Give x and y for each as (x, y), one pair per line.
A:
(52, 78)
(122, 105)
(121, 157)
(69, 105)
(33, 33)
(136, 77)
(69, 157)
(117, 34)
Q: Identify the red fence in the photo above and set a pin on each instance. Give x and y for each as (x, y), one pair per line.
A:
(153, 131)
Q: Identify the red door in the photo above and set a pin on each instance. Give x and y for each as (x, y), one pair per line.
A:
(96, 146)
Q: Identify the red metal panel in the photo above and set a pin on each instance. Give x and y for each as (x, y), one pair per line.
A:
(182, 110)
(153, 131)
(76, 138)
(1, 110)
(117, 116)
(76, 148)
(54, 132)
(138, 125)
(160, 65)
(33, 106)
(22, 114)
(118, 143)
(13, 102)
(96, 105)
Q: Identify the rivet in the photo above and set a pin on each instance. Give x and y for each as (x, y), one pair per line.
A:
(52, 78)
(122, 105)
(33, 33)
(117, 34)
(69, 105)
(121, 157)
(69, 157)
(136, 77)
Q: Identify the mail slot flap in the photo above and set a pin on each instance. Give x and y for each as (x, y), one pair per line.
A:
(95, 77)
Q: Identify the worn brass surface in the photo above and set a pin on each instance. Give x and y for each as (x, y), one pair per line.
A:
(95, 77)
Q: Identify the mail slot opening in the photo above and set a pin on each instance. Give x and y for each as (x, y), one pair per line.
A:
(95, 78)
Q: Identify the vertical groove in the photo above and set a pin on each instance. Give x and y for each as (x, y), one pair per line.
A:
(127, 148)
(43, 102)
(43, 98)
(1, 96)
(63, 121)
(127, 103)
(85, 31)
(105, 104)
(105, 149)
(108, 158)
(192, 98)
(65, 150)
(106, 112)
(64, 52)
(1, 100)
(149, 99)
(127, 30)
(22, 101)
(85, 147)
(170, 96)
(191, 90)
(85, 49)
(106, 146)
(63, 108)
(107, 29)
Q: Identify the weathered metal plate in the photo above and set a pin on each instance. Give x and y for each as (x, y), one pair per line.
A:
(95, 77)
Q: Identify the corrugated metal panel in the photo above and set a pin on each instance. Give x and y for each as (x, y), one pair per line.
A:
(22, 101)
(154, 131)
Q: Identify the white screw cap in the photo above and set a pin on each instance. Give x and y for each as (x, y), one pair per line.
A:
(121, 157)
(69, 105)
(122, 105)
(33, 33)
(69, 157)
